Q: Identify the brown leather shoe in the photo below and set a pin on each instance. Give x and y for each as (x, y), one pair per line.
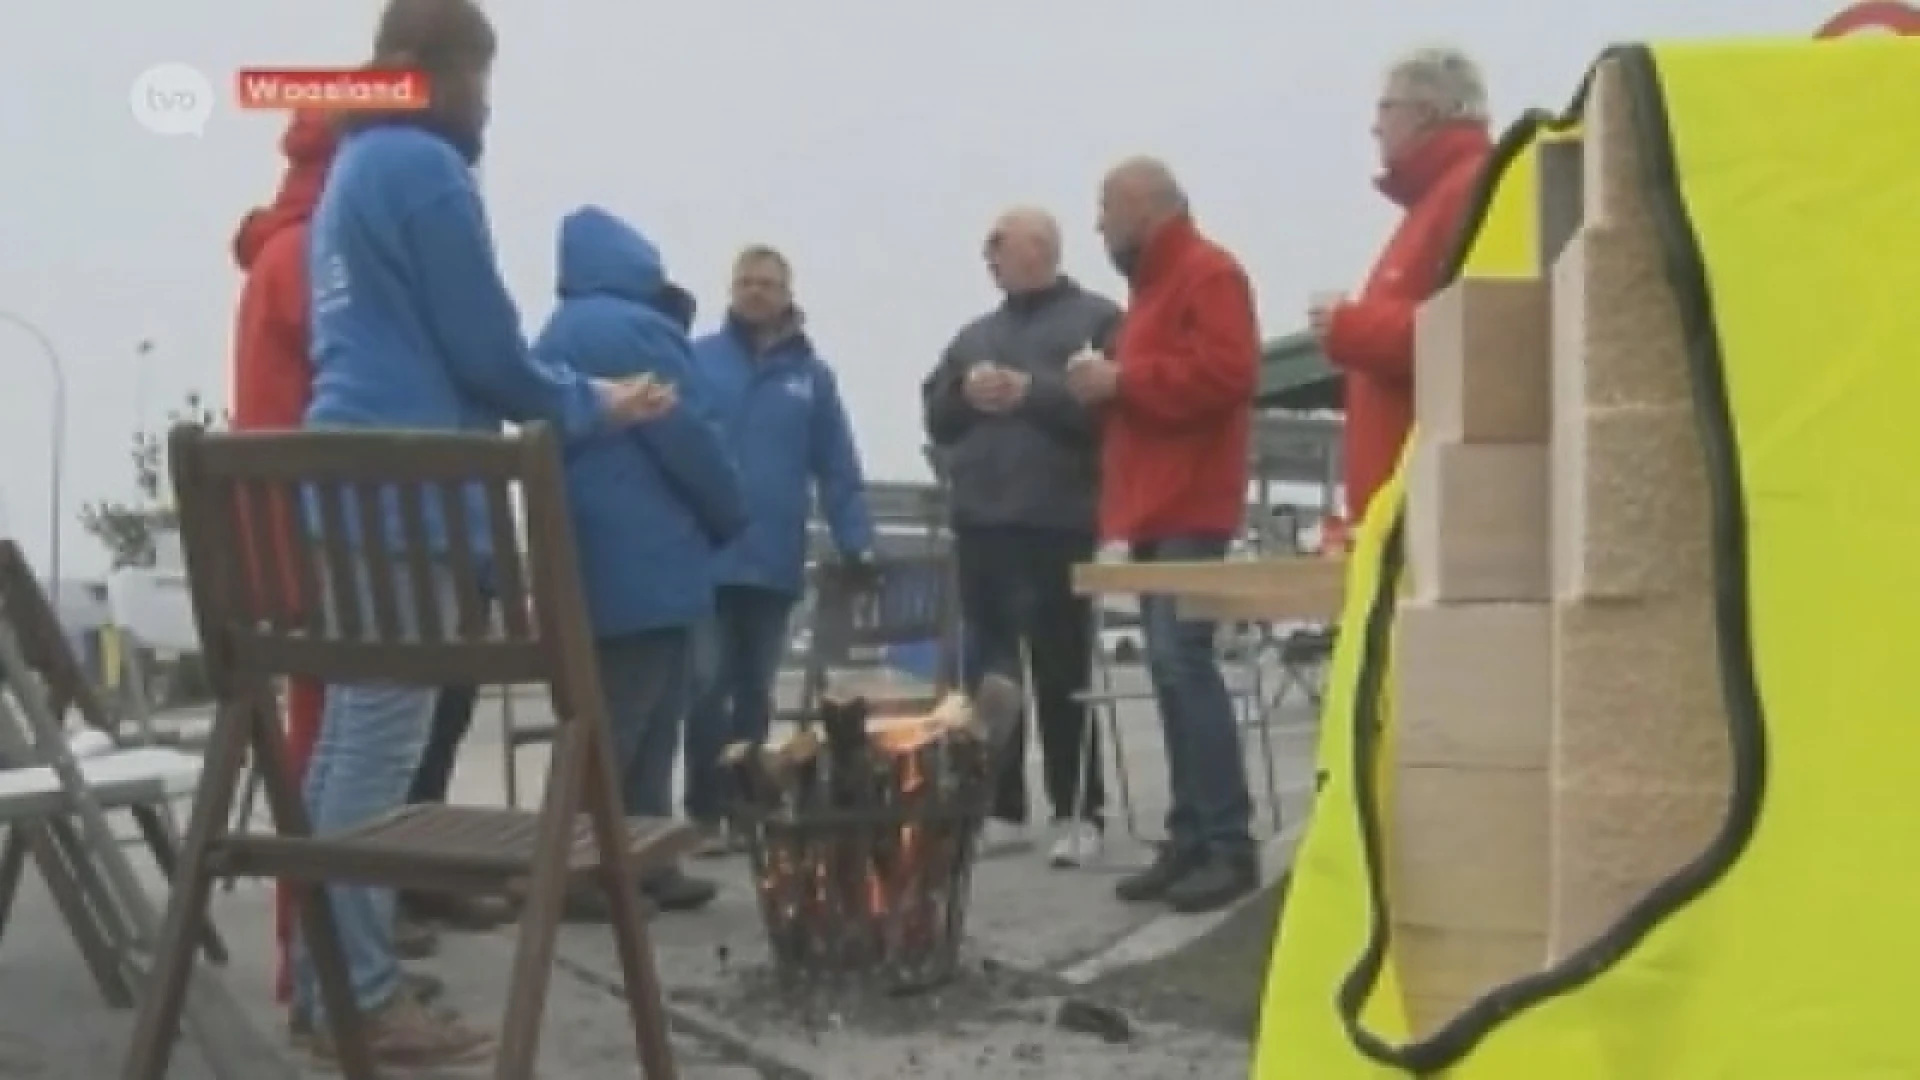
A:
(406, 1034)
(425, 988)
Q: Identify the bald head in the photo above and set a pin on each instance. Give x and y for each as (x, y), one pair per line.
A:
(1023, 250)
(1149, 180)
(1139, 195)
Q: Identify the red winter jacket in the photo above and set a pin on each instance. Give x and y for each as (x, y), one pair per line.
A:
(1370, 338)
(272, 374)
(272, 377)
(1174, 453)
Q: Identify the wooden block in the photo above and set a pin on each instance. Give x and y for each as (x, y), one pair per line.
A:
(1442, 971)
(1613, 185)
(1448, 712)
(1630, 516)
(1612, 845)
(1616, 335)
(1477, 522)
(1468, 850)
(1637, 695)
(1560, 174)
(1482, 362)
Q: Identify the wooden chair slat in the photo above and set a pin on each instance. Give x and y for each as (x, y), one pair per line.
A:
(456, 515)
(412, 506)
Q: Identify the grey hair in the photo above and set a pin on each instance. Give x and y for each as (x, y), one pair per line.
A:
(1444, 79)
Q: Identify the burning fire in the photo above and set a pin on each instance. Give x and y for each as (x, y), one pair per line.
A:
(862, 830)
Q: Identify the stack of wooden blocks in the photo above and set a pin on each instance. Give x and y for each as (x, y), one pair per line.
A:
(1472, 653)
(1561, 741)
(1641, 756)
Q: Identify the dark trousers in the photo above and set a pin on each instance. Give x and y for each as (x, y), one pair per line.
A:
(1017, 583)
(452, 716)
(737, 655)
(1207, 769)
(646, 678)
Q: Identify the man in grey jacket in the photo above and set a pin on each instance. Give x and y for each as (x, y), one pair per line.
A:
(1023, 459)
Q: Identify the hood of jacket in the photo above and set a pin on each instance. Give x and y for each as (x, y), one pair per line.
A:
(309, 143)
(601, 255)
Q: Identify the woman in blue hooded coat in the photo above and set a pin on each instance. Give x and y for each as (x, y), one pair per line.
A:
(652, 505)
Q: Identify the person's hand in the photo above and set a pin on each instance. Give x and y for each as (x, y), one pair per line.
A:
(637, 400)
(994, 389)
(1010, 389)
(982, 386)
(1320, 309)
(1092, 378)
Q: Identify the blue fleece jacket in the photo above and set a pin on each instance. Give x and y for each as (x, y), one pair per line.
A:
(412, 327)
(780, 412)
(651, 504)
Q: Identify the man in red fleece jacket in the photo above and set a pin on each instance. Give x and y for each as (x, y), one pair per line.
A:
(272, 380)
(1177, 407)
(1431, 127)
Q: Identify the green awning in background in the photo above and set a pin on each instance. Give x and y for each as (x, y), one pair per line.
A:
(1295, 374)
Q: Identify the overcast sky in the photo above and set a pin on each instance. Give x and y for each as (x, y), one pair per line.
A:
(871, 139)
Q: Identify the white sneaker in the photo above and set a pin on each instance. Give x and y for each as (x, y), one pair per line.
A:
(1077, 844)
(999, 837)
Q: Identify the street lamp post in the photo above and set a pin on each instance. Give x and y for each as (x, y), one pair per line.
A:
(57, 466)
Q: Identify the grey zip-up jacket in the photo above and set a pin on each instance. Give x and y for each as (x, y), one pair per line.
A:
(1039, 465)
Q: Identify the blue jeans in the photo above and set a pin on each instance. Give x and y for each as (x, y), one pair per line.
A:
(1207, 770)
(737, 656)
(646, 678)
(371, 739)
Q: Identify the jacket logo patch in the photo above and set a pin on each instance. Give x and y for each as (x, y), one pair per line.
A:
(801, 387)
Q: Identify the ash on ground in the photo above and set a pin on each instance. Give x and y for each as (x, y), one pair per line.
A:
(756, 995)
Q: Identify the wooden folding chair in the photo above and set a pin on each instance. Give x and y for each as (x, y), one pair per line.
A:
(268, 608)
(139, 781)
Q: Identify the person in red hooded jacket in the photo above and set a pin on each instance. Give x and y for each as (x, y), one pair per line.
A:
(1431, 126)
(273, 379)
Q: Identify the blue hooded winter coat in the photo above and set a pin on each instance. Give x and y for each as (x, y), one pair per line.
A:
(651, 504)
(780, 412)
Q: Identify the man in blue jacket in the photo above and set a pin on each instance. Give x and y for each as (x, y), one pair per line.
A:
(412, 327)
(780, 411)
(651, 507)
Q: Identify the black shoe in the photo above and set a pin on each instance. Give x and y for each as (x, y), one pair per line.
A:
(673, 890)
(1218, 881)
(1151, 884)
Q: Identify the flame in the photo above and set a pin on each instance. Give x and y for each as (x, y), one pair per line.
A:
(806, 881)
